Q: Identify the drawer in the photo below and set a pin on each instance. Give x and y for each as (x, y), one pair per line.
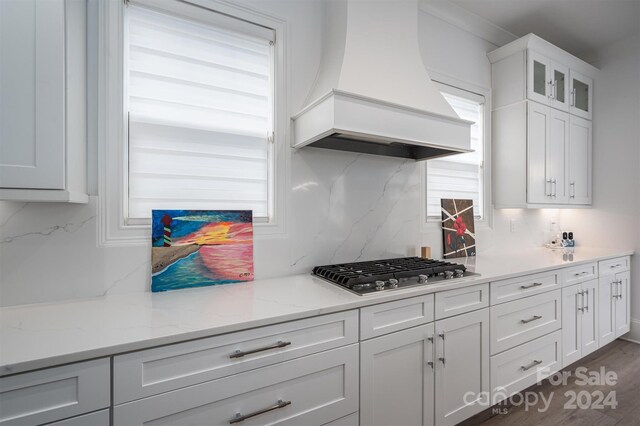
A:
(613, 266)
(579, 274)
(522, 320)
(150, 372)
(99, 418)
(55, 393)
(518, 368)
(311, 390)
(350, 420)
(519, 287)
(388, 317)
(461, 300)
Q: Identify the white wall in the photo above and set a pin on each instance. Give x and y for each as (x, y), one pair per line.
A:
(614, 220)
(342, 206)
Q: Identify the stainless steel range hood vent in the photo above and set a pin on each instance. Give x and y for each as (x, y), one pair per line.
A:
(373, 94)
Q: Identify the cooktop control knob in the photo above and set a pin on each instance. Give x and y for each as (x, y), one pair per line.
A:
(422, 279)
(459, 273)
(448, 275)
(393, 283)
(379, 285)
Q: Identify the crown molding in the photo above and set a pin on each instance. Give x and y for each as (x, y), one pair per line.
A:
(467, 21)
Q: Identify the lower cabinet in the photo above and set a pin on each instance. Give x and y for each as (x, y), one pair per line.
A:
(614, 307)
(397, 378)
(579, 321)
(312, 390)
(432, 374)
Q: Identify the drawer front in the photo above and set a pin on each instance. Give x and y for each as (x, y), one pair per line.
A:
(394, 316)
(520, 321)
(55, 393)
(613, 266)
(150, 372)
(312, 390)
(461, 300)
(350, 420)
(517, 288)
(579, 274)
(99, 418)
(519, 368)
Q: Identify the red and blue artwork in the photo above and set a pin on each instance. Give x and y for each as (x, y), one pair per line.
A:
(196, 248)
(458, 230)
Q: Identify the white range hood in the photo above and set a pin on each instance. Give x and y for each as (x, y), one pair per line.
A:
(373, 94)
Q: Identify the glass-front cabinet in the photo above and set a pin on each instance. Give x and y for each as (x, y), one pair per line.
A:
(580, 95)
(547, 81)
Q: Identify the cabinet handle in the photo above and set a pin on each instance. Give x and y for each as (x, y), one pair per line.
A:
(619, 296)
(581, 307)
(555, 187)
(617, 265)
(441, 335)
(550, 188)
(577, 274)
(530, 366)
(573, 97)
(240, 354)
(240, 418)
(534, 318)
(551, 94)
(572, 188)
(524, 287)
(430, 362)
(585, 307)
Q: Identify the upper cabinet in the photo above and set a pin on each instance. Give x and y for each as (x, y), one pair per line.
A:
(43, 102)
(541, 126)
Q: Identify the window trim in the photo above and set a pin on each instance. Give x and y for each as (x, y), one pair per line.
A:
(429, 224)
(114, 229)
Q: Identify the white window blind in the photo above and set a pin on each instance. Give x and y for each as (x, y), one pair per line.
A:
(200, 113)
(460, 176)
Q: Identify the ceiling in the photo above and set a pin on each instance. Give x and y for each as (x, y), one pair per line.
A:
(577, 26)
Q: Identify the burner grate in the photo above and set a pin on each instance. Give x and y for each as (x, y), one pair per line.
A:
(350, 274)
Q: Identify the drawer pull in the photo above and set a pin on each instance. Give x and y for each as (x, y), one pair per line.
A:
(535, 317)
(617, 265)
(530, 366)
(524, 287)
(240, 354)
(577, 274)
(240, 418)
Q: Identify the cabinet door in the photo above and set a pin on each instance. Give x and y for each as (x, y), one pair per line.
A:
(462, 367)
(571, 323)
(589, 314)
(557, 155)
(396, 382)
(32, 102)
(538, 77)
(622, 304)
(539, 187)
(606, 310)
(580, 95)
(559, 77)
(579, 160)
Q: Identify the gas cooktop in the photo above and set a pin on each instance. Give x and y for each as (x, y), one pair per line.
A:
(390, 274)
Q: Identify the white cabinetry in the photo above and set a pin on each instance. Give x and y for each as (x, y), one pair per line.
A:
(579, 321)
(397, 378)
(43, 102)
(542, 101)
(614, 316)
(462, 366)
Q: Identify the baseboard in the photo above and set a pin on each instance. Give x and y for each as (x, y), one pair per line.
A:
(634, 334)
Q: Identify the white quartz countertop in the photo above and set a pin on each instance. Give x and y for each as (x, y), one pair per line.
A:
(44, 335)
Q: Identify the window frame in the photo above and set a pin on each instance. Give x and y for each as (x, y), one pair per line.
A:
(114, 227)
(459, 88)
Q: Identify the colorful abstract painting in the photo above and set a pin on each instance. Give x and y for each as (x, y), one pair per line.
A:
(458, 228)
(196, 248)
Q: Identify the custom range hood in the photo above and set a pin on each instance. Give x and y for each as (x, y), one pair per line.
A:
(372, 93)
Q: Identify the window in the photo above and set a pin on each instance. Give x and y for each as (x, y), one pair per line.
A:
(199, 96)
(462, 175)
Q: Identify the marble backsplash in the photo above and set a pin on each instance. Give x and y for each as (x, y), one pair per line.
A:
(342, 207)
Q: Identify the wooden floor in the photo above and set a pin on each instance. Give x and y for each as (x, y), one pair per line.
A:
(620, 356)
